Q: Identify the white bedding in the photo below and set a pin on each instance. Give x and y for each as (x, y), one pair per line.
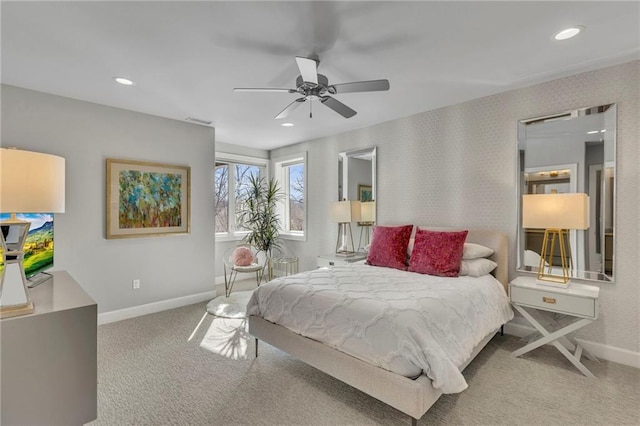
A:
(402, 321)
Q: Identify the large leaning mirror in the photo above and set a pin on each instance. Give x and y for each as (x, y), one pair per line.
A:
(571, 152)
(357, 182)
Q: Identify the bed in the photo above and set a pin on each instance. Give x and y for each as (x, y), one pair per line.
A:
(397, 386)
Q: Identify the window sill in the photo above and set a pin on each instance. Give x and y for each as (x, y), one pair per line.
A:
(293, 237)
(221, 238)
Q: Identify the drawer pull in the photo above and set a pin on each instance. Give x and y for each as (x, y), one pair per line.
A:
(548, 299)
(332, 264)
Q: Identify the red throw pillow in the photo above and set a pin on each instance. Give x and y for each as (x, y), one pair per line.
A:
(389, 246)
(437, 252)
(242, 256)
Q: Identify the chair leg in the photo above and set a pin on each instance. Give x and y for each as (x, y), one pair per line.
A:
(256, 347)
(232, 279)
(226, 282)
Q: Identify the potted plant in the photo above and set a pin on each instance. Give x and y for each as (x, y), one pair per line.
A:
(259, 215)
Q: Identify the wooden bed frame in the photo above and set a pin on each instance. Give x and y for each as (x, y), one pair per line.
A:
(412, 397)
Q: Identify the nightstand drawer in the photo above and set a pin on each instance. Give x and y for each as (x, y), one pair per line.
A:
(325, 263)
(330, 260)
(555, 302)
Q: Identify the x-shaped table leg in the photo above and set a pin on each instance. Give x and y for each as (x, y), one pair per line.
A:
(553, 337)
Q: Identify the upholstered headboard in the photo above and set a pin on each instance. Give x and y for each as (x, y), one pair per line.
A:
(492, 239)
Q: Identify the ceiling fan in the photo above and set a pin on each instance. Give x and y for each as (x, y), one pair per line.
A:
(315, 87)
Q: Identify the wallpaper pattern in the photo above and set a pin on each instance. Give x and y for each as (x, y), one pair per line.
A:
(456, 166)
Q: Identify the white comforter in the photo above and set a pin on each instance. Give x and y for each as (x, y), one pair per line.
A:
(404, 322)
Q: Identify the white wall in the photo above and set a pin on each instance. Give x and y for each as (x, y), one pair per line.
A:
(456, 166)
(86, 134)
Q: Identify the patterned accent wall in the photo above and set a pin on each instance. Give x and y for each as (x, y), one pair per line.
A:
(456, 166)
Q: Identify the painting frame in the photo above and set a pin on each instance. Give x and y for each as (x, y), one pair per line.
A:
(365, 193)
(126, 218)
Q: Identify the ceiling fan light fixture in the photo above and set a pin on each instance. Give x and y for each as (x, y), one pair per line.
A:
(312, 86)
(124, 81)
(569, 33)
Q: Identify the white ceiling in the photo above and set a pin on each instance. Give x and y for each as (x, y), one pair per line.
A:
(186, 57)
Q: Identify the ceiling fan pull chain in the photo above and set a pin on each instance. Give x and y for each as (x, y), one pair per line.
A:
(310, 109)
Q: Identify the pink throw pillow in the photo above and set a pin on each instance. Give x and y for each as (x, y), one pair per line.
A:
(389, 246)
(242, 256)
(437, 252)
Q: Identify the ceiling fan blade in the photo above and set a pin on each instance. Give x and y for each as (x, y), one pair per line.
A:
(338, 106)
(360, 86)
(293, 105)
(258, 89)
(308, 69)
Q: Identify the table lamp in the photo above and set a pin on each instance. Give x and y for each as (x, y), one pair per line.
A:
(556, 214)
(30, 182)
(345, 212)
(367, 220)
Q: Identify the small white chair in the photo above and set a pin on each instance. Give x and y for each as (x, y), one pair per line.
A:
(240, 259)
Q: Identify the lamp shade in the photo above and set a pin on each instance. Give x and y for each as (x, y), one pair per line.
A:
(368, 211)
(345, 211)
(31, 182)
(560, 211)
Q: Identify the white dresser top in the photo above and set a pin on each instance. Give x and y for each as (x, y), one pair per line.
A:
(574, 288)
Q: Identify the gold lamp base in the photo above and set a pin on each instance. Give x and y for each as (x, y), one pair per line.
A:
(546, 275)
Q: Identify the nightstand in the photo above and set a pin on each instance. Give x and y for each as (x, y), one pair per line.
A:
(578, 301)
(329, 260)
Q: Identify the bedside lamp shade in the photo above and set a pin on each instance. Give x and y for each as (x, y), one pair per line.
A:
(345, 212)
(368, 212)
(30, 182)
(556, 214)
(562, 211)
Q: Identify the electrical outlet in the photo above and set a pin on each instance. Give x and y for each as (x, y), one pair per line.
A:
(136, 284)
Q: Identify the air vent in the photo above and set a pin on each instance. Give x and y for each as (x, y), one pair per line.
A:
(198, 121)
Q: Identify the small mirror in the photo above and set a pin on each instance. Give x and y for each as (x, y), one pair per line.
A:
(571, 152)
(357, 182)
(357, 175)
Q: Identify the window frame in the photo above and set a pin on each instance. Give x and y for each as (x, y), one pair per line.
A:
(232, 160)
(280, 165)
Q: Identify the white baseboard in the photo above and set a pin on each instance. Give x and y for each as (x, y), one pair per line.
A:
(150, 308)
(600, 350)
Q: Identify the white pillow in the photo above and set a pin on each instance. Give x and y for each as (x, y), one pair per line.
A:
(477, 267)
(475, 251)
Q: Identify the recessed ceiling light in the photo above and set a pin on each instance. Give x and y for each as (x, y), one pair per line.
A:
(569, 33)
(123, 81)
(287, 124)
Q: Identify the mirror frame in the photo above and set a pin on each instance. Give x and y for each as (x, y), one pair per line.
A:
(520, 170)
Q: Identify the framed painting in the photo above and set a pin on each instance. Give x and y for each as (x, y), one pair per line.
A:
(365, 193)
(147, 199)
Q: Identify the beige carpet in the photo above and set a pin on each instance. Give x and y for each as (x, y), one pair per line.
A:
(227, 337)
(152, 370)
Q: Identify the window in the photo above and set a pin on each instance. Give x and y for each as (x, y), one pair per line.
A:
(291, 173)
(232, 175)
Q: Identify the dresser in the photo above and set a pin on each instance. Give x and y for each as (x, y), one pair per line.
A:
(48, 367)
